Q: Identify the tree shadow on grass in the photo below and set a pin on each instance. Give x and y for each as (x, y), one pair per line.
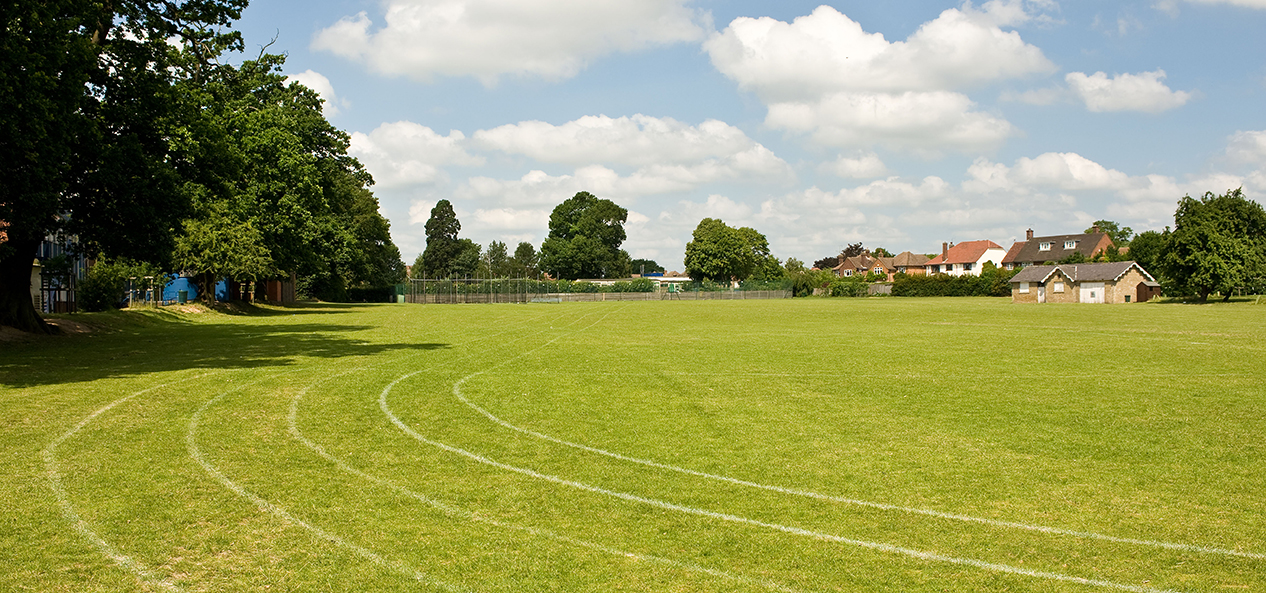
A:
(175, 346)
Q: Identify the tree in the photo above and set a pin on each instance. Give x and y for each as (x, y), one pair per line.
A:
(881, 252)
(466, 263)
(524, 260)
(721, 253)
(1120, 235)
(97, 127)
(498, 260)
(827, 262)
(645, 266)
(442, 247)
(222, 245)
(585, 234)
(1147, 249)
(830, 261)
(1218, 243)
(269, 159)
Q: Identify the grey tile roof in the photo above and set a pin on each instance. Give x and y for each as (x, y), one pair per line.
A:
(1031, 250)
(1106, 272)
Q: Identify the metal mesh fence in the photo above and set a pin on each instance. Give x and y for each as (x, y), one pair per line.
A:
(522, 290)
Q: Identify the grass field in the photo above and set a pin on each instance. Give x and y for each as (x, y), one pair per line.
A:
(795, 445)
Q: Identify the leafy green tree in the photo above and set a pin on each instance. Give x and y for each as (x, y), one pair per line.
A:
(585, 234)
(1075, 257)
(794, 266)
(498, 261)
(525, 261)
(466, 263)
(720, 253)
(880, 252)
(647, 266)
(271, 160)
(1218, 243)
(97, 127)
(221, 245)
(1120, 235)
(1147, 249)
(442, 247)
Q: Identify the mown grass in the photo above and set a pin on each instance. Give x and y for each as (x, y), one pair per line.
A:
(259, 452)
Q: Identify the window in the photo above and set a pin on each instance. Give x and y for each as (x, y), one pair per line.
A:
(967, 266)
(1044, 246)
(1059, 287)
(1024, 288)
(1010, 266)
(1070, 244)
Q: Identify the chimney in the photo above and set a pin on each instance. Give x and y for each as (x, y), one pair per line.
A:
(1096, 229)
(1028, 235)
(944, 252)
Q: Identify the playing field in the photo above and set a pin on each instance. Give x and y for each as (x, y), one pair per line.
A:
(789, 445)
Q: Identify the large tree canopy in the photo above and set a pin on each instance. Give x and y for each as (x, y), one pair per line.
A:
(442, 247)
(94, 117)
(721, 253)
(268, 160)
(585, 234)
(1218, 243)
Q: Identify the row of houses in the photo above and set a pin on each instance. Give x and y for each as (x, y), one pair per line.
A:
(1038, 281)
(969, 257)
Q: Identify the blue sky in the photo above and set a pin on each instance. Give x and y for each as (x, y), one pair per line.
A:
(900, 124)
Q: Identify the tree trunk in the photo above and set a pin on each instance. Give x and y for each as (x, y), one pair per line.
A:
(1204, 294)
(16, 308)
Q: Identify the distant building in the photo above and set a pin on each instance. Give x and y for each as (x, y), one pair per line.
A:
(1115, 282)
(1039, 250)
(966, 258)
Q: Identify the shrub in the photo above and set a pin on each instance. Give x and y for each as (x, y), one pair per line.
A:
(107, 282)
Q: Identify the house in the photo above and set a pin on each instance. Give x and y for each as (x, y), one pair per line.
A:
(862, 265)
(910, 263)
(1115, 282)
(966, 258)
(1039, 250)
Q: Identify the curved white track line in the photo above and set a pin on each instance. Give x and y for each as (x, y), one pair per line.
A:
(382, 403)
(459, 513)
(140, 570)
(920, 554)
(851, 501)
(191, 442)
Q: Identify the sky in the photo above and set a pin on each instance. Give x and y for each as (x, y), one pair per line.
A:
(900, 124)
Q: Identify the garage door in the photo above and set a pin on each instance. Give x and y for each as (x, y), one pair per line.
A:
(1092, 292)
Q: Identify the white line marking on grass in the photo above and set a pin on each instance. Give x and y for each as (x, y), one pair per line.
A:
(191, 441)
(920, 554)
(124, 561)
(459, 513)
(852, 501)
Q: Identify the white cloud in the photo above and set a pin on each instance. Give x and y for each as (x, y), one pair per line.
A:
(1065, 171)
(1247, 147)
(938, 119)
(319, 83)
(863, 166)
(1126, 92)
(552, 39)
(404, 153)
(639, 140)
(1242, 3)
(513, 219)
(825, 75)
(670, 156)
(827, 52)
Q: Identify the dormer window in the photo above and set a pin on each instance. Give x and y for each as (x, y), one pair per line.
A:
(1070, 244)
(1044, 246)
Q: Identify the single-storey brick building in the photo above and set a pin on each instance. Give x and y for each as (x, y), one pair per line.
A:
(1116, 282)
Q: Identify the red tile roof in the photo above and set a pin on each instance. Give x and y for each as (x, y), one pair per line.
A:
(965, 252)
